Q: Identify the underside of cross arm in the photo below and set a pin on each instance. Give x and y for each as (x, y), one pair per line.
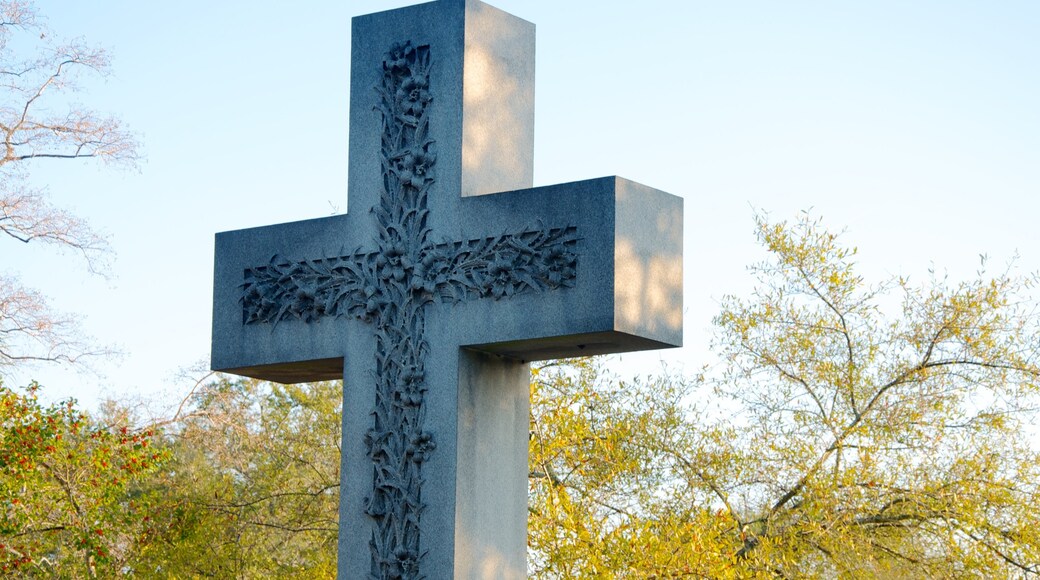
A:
(589, 344)
(305, 371)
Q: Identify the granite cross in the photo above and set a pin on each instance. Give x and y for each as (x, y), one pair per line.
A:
(429, 297)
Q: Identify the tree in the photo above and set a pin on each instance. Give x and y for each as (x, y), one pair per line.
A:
(252, 488)
(855, 443)
(607, 494)
(69, 489)
(242, 482)
(38, 123)
(66, 480)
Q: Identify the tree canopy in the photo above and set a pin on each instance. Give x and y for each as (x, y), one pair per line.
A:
(871, 430)
(70, 501)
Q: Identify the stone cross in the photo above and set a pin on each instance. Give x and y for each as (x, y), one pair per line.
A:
(430, 297)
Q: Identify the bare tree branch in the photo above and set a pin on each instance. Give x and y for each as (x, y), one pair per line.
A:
(31, 332)
(34, 89)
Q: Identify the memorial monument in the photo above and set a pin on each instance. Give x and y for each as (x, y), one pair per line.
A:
(448, 274)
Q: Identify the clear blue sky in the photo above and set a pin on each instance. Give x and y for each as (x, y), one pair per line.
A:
(915, 126)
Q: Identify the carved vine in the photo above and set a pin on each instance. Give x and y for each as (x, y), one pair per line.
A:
(397, 443)
(390, 288)
(500, 266)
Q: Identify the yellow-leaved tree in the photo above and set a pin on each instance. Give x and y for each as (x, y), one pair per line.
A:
(857, 441)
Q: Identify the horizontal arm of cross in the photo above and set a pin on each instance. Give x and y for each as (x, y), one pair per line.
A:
(608, 249)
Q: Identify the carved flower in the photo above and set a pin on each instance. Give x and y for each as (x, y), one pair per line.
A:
(397, 58)
(393, 264)
(421, 447)
(431, 272)
(305, 302)
(415, 167)
(424, 277)
(411, 386)
(259, 301)
(560, 265)
(372, 300)
(418, 281)
(414, 95)
(407, 561)
(502, 280)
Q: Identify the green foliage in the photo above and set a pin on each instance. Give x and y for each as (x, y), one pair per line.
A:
(69, 488)
(253, 487)
(244, 485)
